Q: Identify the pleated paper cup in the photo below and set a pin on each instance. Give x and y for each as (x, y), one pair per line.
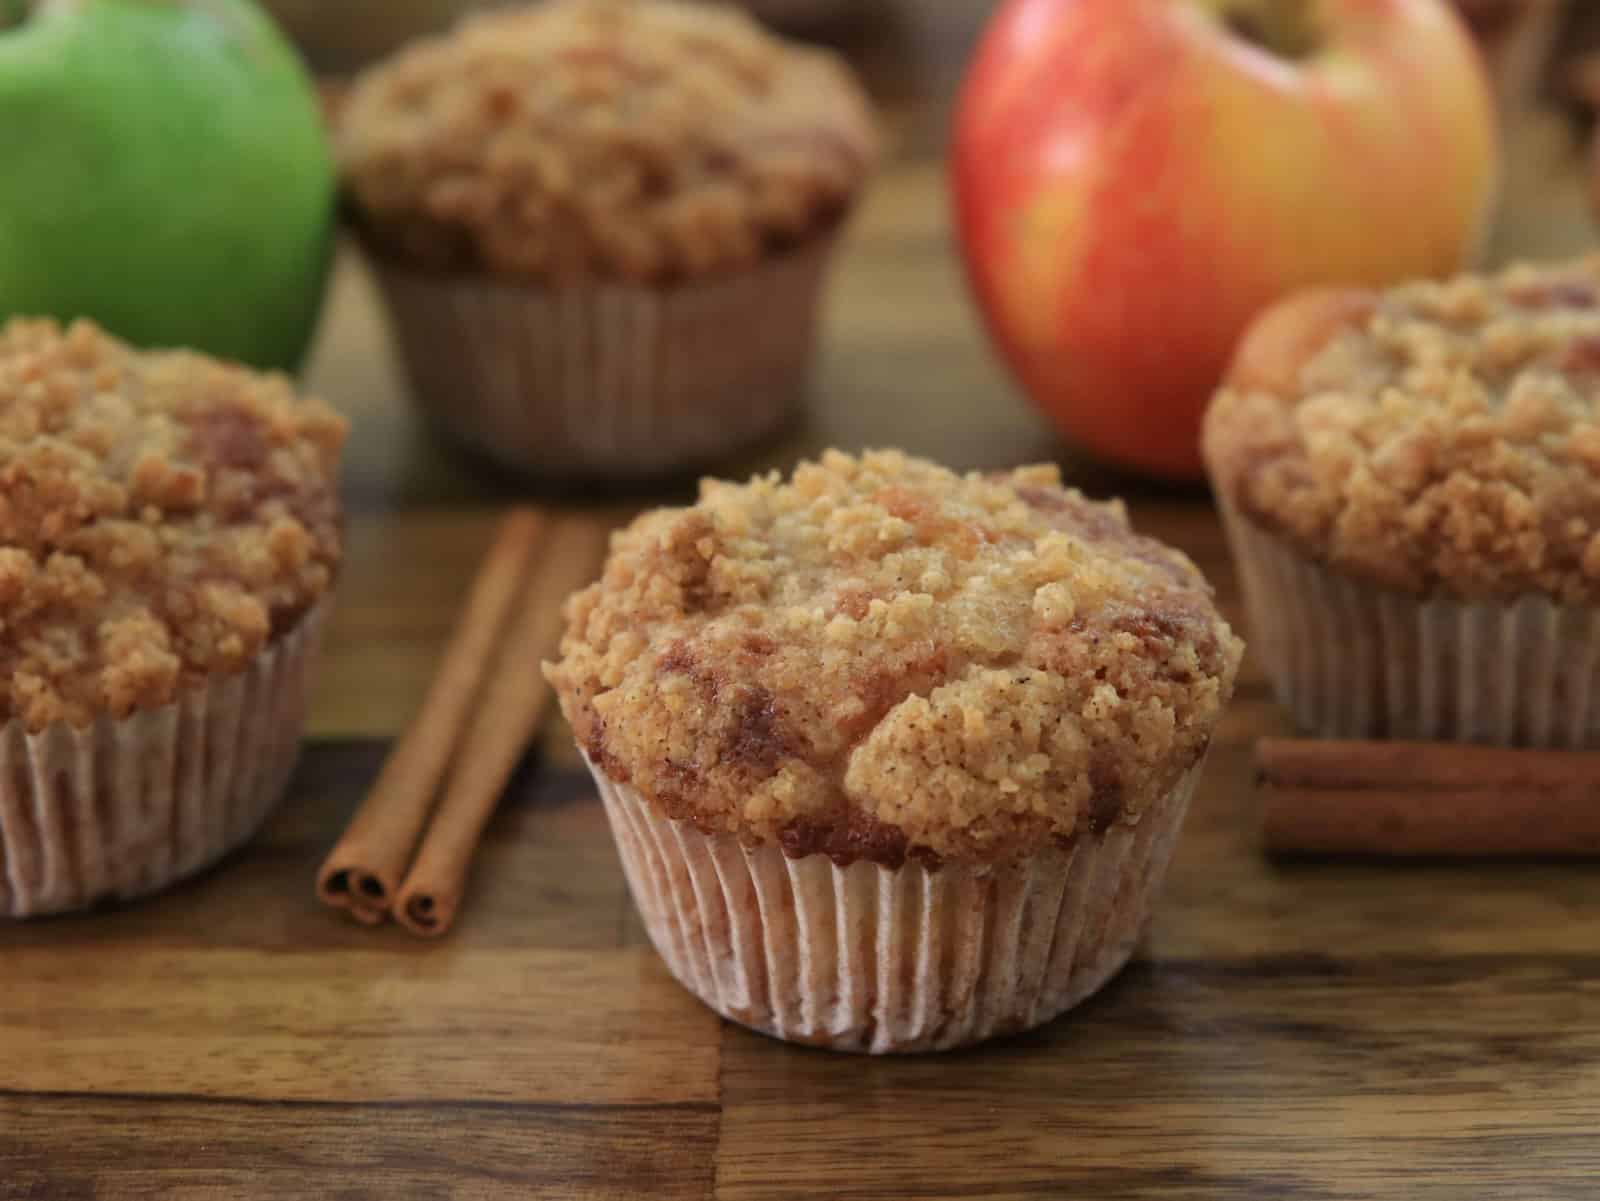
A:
(609, 380)
(881, 960)
(126, 807)
(1352, 660)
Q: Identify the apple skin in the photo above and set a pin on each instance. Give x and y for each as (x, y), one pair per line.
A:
(167, 174)
(1134, 182)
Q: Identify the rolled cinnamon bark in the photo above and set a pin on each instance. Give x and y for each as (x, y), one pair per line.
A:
(508, 715)
(364, 870)
(1427, 799)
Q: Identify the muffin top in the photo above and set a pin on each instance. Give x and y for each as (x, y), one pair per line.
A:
(882, 658)
(1439, 436)
(162, 515)
(646, 141)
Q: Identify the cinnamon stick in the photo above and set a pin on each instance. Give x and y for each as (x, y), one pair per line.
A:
(1427, 799)
(364, 871)
(509, 714)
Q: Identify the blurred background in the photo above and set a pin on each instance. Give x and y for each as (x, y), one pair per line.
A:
(904, 358)
(352, 33)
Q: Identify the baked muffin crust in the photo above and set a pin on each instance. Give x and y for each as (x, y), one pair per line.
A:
(1435, 437)
(646, 141)
(882, 658)
(162, 516)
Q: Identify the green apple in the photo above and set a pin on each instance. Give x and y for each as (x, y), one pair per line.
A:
(166, 172)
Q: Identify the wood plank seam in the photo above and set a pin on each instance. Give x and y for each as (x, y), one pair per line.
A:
(404, 1103)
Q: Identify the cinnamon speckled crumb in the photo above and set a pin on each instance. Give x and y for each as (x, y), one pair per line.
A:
(882, 658)
(162, 515)
(646, 141)
(1439, 436)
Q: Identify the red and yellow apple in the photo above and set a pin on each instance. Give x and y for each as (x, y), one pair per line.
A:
(1135, 179)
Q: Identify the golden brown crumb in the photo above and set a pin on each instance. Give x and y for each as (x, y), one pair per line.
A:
(590, 138)
(1437, 436)
(162, 515)
(882, 657)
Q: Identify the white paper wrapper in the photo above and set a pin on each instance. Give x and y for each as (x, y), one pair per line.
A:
(124, 808)
(866, 958)
(1351, 660)
(609, 380)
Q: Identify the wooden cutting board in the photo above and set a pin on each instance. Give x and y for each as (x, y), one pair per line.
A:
(1310, 1031)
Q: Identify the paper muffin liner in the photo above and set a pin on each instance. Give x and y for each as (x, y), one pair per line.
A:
(125, 807)
(609, 380)
(1351, 660)
(881, 960)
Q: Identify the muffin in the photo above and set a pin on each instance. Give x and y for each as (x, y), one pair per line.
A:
(169, 532)
(1411, 484)
(894, 758)
(602, 226)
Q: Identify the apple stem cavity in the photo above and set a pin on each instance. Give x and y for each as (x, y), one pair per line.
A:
(1285, 28)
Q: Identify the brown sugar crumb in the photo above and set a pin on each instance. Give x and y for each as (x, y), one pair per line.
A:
(646, 141)
(1441, 436)
(880, 659)
(162, 515)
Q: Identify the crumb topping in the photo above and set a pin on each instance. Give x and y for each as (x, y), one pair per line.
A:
(646, 141)
(162, 515)
(882, 658)
(1439, 436)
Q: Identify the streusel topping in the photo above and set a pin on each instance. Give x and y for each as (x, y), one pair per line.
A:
(162, 515)
(1437, 436)
(645, 141)
(882, 658)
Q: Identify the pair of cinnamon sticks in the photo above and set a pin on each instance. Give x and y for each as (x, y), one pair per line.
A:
(409, 848)
(1427, 799)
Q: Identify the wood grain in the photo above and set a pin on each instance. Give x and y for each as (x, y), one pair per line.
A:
(120, 1149)
(1287, 1030)
(1281, 1077)
(385, 1024)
